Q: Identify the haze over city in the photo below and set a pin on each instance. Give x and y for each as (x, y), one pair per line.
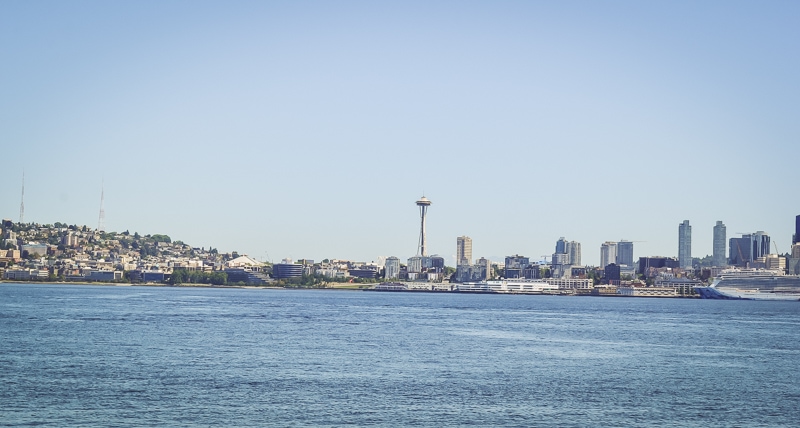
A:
(308, 130)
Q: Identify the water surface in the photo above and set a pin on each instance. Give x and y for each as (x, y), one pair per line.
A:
(74, 355)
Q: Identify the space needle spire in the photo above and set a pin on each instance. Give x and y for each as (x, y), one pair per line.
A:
(423, 203)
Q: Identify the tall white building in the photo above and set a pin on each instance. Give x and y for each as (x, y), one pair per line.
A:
(463, 250)
(608, 253)
(574, 251)
(415, 264)
(392, 266)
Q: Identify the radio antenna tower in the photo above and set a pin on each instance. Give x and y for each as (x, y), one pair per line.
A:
(22, 200)
(423, 203)
(102, 220)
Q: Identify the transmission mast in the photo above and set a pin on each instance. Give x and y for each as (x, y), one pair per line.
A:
(22, 200)
(102, 219)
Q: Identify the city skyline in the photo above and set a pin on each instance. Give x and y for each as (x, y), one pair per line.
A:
(287, 130)
(618, 252)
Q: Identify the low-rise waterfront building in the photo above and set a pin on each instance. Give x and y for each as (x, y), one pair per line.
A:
(18, 274)
(104, 275)
(571, 283)
(287, 269)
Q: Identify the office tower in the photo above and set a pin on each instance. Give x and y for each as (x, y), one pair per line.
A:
(796, 237)
(574, 251)
(608, 253)
(747, 249)
(392, 267)
(423, 203)
(515, 265)
(760, 242)
(685, 245)
(561, 246)
(720, 236)
(463, 250)
(625, 253)
(740, 251)
(414, 264)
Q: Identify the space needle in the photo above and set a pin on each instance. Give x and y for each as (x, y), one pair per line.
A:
(423, 203)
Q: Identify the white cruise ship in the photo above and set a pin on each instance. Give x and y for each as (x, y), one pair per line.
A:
(752, 284)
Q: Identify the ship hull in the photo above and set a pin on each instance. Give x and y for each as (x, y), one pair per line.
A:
(752, 284)
(734, 294)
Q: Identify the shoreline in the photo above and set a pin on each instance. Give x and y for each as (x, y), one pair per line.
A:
(186, 285)
(262, 287)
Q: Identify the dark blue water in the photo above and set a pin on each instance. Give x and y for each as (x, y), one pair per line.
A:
(147, 356)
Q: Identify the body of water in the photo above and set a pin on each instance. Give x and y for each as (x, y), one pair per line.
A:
(73, 355)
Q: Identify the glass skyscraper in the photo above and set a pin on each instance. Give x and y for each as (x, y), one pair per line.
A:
(685, 245)
(625, 253)
(720, 237)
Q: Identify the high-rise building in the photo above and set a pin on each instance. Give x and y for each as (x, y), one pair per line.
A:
(561, 246)
(560, 263)
(746, 250)
(423, 203)
(720, 236)
(796, 237)
(760, 241)
(740, 251)
(608, 253)
(414, 264)
(758, 244)
(685, 245)
(625, 253)
(392, 267)
(574, 251)
(463, 250)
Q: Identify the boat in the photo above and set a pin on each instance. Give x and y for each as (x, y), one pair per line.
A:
(752, 284)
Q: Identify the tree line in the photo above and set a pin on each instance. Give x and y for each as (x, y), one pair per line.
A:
(183, 276)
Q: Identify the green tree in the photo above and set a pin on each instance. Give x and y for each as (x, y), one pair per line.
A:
(161, 238)
(178, 276)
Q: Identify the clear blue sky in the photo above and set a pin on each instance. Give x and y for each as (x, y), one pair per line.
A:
(308, 129)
